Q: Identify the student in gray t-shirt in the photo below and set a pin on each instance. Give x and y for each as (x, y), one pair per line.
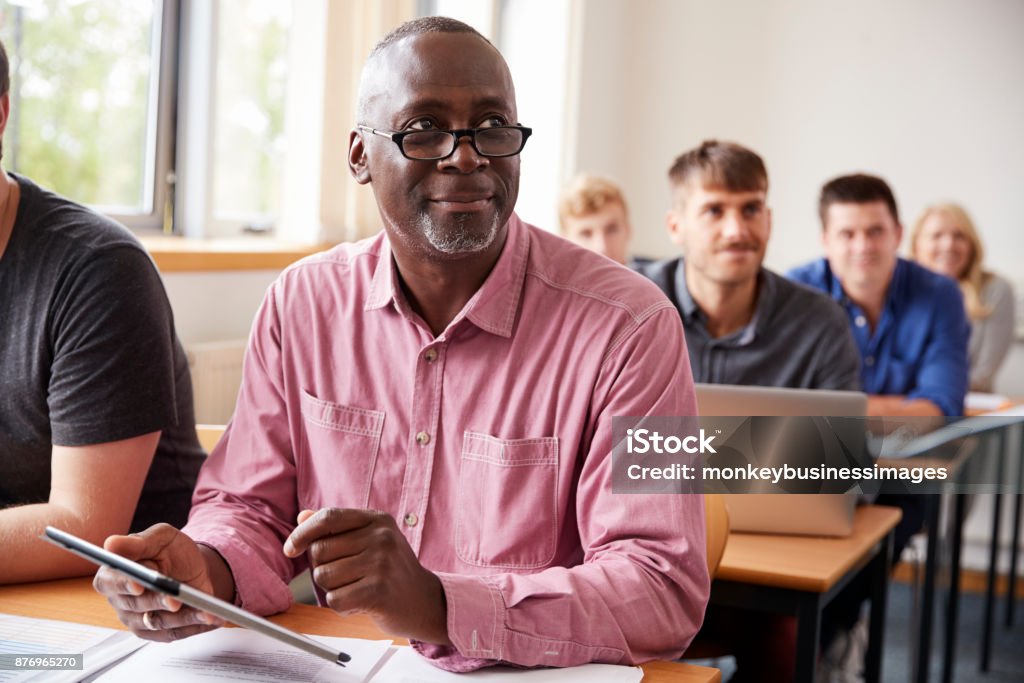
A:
(97, 434)
(744, 324)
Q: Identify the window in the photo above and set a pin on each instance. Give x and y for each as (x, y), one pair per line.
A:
(214, 117)
(86, 117)
(95, 95)
(249, 109)
(532, 35)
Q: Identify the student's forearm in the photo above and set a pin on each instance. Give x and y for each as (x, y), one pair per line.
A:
(29, 558)
(893, 406)
(93, 493)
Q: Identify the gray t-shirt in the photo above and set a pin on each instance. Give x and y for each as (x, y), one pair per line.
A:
(89, 355)
(798, 338)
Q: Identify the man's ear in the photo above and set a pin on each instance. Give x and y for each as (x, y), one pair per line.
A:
(5, 112)
(357, 164)
(899, 234)
(674, 227)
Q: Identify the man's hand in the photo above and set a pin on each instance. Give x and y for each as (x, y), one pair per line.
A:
(148, 614)
(364, 564)
(899, 406)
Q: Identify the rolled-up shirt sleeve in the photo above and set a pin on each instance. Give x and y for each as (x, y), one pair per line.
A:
(641, 589)
(245, 503)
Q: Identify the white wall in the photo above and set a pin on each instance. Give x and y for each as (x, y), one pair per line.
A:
(216, 306)
(930, 95)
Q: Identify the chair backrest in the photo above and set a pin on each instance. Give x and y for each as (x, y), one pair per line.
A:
(209, 435)
(716, 520)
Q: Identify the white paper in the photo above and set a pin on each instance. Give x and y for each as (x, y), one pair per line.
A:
(236, 654)
(1015, 410)
(984, 402)
(405, 666)
(26, 635)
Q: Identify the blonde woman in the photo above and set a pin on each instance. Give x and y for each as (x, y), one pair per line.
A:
(946, 241)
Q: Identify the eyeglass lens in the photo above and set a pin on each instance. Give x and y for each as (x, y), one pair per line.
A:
(432, 144)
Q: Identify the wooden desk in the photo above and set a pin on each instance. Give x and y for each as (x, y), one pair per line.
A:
(799, 575)
(958, 456)
(75, 600)
(1003, 456)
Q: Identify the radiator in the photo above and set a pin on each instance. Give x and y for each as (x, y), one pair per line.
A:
(216, 375)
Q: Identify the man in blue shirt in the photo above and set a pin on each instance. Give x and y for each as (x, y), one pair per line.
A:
(910, 327)
(909, 323)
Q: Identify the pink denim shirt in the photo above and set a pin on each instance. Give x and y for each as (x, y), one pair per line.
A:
(489, 445)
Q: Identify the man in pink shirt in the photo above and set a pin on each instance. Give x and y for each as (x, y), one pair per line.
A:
(441, 395)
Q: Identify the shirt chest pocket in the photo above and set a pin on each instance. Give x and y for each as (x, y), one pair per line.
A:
(339, 453)
(507, 503)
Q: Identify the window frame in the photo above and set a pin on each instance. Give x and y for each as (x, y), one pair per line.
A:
(157, 181)
(320, 205)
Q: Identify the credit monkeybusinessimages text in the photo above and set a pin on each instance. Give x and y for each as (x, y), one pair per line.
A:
(646, 442)
(776, 475)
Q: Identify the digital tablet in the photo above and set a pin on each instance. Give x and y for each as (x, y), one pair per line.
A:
(156, 581)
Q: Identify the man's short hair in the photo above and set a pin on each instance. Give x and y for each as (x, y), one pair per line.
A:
(858, 188)
(586, 194)
(722, 166)
(5, 71)
(415, 27)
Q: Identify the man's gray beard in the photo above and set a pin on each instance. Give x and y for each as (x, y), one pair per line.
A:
(456, 237)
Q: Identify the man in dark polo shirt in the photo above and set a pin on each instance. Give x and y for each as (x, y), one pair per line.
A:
(744, 324)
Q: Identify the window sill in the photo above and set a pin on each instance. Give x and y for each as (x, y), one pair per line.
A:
(181, 255)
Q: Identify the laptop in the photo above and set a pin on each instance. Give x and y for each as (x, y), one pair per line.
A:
(785, 513)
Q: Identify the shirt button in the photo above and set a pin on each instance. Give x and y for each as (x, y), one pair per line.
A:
(860, 321)
(423, 438)
(430, 356)
(869, 361)
(411, 519)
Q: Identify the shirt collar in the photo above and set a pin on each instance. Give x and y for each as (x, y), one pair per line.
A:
(693, 315)
(687, 305)
(495, 305)
(892, 294)
(835, 287)
(384, 286)
(492, 308)
(763, 307)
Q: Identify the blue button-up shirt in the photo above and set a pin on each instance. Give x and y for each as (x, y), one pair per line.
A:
(919, 348)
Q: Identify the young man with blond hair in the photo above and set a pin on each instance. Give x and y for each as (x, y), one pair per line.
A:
(592, 212)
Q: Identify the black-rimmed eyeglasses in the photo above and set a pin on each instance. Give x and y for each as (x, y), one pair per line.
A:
(432, 145)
